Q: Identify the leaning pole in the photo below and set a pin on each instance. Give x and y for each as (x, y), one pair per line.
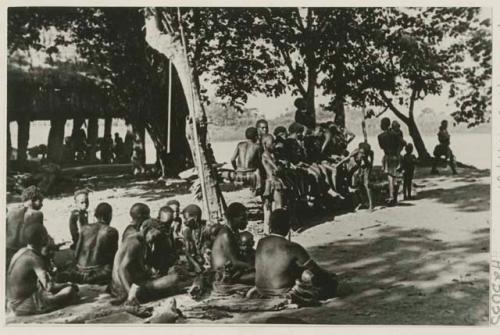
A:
(167, 37)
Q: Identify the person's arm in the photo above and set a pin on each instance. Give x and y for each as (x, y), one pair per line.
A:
(73, 227)
(235, 156)
(134, 256)
(44, 278)
(112, 245)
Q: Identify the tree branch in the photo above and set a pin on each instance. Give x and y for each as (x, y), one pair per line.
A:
(412, 103)
(393, 108)
(295, 76)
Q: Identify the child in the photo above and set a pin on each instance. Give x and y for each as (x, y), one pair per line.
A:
(363, 159)
(247, 250)
(408, 168)
(79, 215)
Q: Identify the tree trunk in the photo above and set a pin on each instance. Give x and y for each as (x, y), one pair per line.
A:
(23, 137)
(311, 90)
(170, 46)
(55, 142)
(139, 129)
(418, 142)
(339, 111)
(107, 126)
(92, 134)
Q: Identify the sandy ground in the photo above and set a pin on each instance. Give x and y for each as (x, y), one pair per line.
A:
(422, 262)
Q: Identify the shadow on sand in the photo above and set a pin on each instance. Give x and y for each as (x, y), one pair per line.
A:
(401, 277)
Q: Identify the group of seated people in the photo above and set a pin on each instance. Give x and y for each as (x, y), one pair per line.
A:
(301, 165)
(155, 257)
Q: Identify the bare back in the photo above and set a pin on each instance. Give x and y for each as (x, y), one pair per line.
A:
(97, 245)
(278, 262)
(247, 155)
(22, 278)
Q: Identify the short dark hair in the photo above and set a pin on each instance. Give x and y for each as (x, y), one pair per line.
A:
(173, 202)
(261, 121)
(139, 211)
(299, 103)
(80, 191)
(166, 209)
(295, 128)
(278, 130)
(192, 210)
(251, 133)
(103, 211)
(385, 123)
(35, 234)
(32, 193)
(409, 147)
(234, 210)
(279, 222)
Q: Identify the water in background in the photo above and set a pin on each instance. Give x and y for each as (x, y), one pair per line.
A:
(469, 148)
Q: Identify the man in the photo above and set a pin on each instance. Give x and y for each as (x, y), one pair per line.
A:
(95, 250)
(30, 289)
(274, 187)
(262, 128)
(226, 258)
(119, 150)
(302, 116)
(139, 212)
(193, 234)
(79, 215)
(32, 198)
(443, 149)
(280, 136)
(131, 280)
(389, 142)
(284, 267)
(246, 160)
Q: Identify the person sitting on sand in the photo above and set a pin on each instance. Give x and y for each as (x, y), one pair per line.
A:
(280, 136)
(30, 289)
(226, 258)
(443, 149)
(284, 268)
(139, 212)
(247, 250)
(408, 168)
(390, 143)
(32, 199)
(193, 234)
(176, 220)
(95, 250)
(79, 216)
(246, 160)
(131, 280)
(274, 186)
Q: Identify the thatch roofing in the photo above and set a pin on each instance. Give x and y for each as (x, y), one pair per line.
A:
(42, 93)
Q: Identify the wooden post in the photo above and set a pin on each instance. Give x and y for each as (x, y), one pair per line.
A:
(107, 125)
(92, 134)
(9, 142)
(23, 137)
(56, 139)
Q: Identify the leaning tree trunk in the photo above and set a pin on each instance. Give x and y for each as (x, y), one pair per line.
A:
(55, 142)
(418, 142)
(169, 44)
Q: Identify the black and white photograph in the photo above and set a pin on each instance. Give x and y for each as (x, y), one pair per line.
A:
(314, 165)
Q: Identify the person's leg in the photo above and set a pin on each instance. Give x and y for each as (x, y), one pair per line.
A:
(366, 184)
(452, 161)
(64, 297)
(268, 205)
(410, 182)
(435, 161)
(155, 289)
(390, 181)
